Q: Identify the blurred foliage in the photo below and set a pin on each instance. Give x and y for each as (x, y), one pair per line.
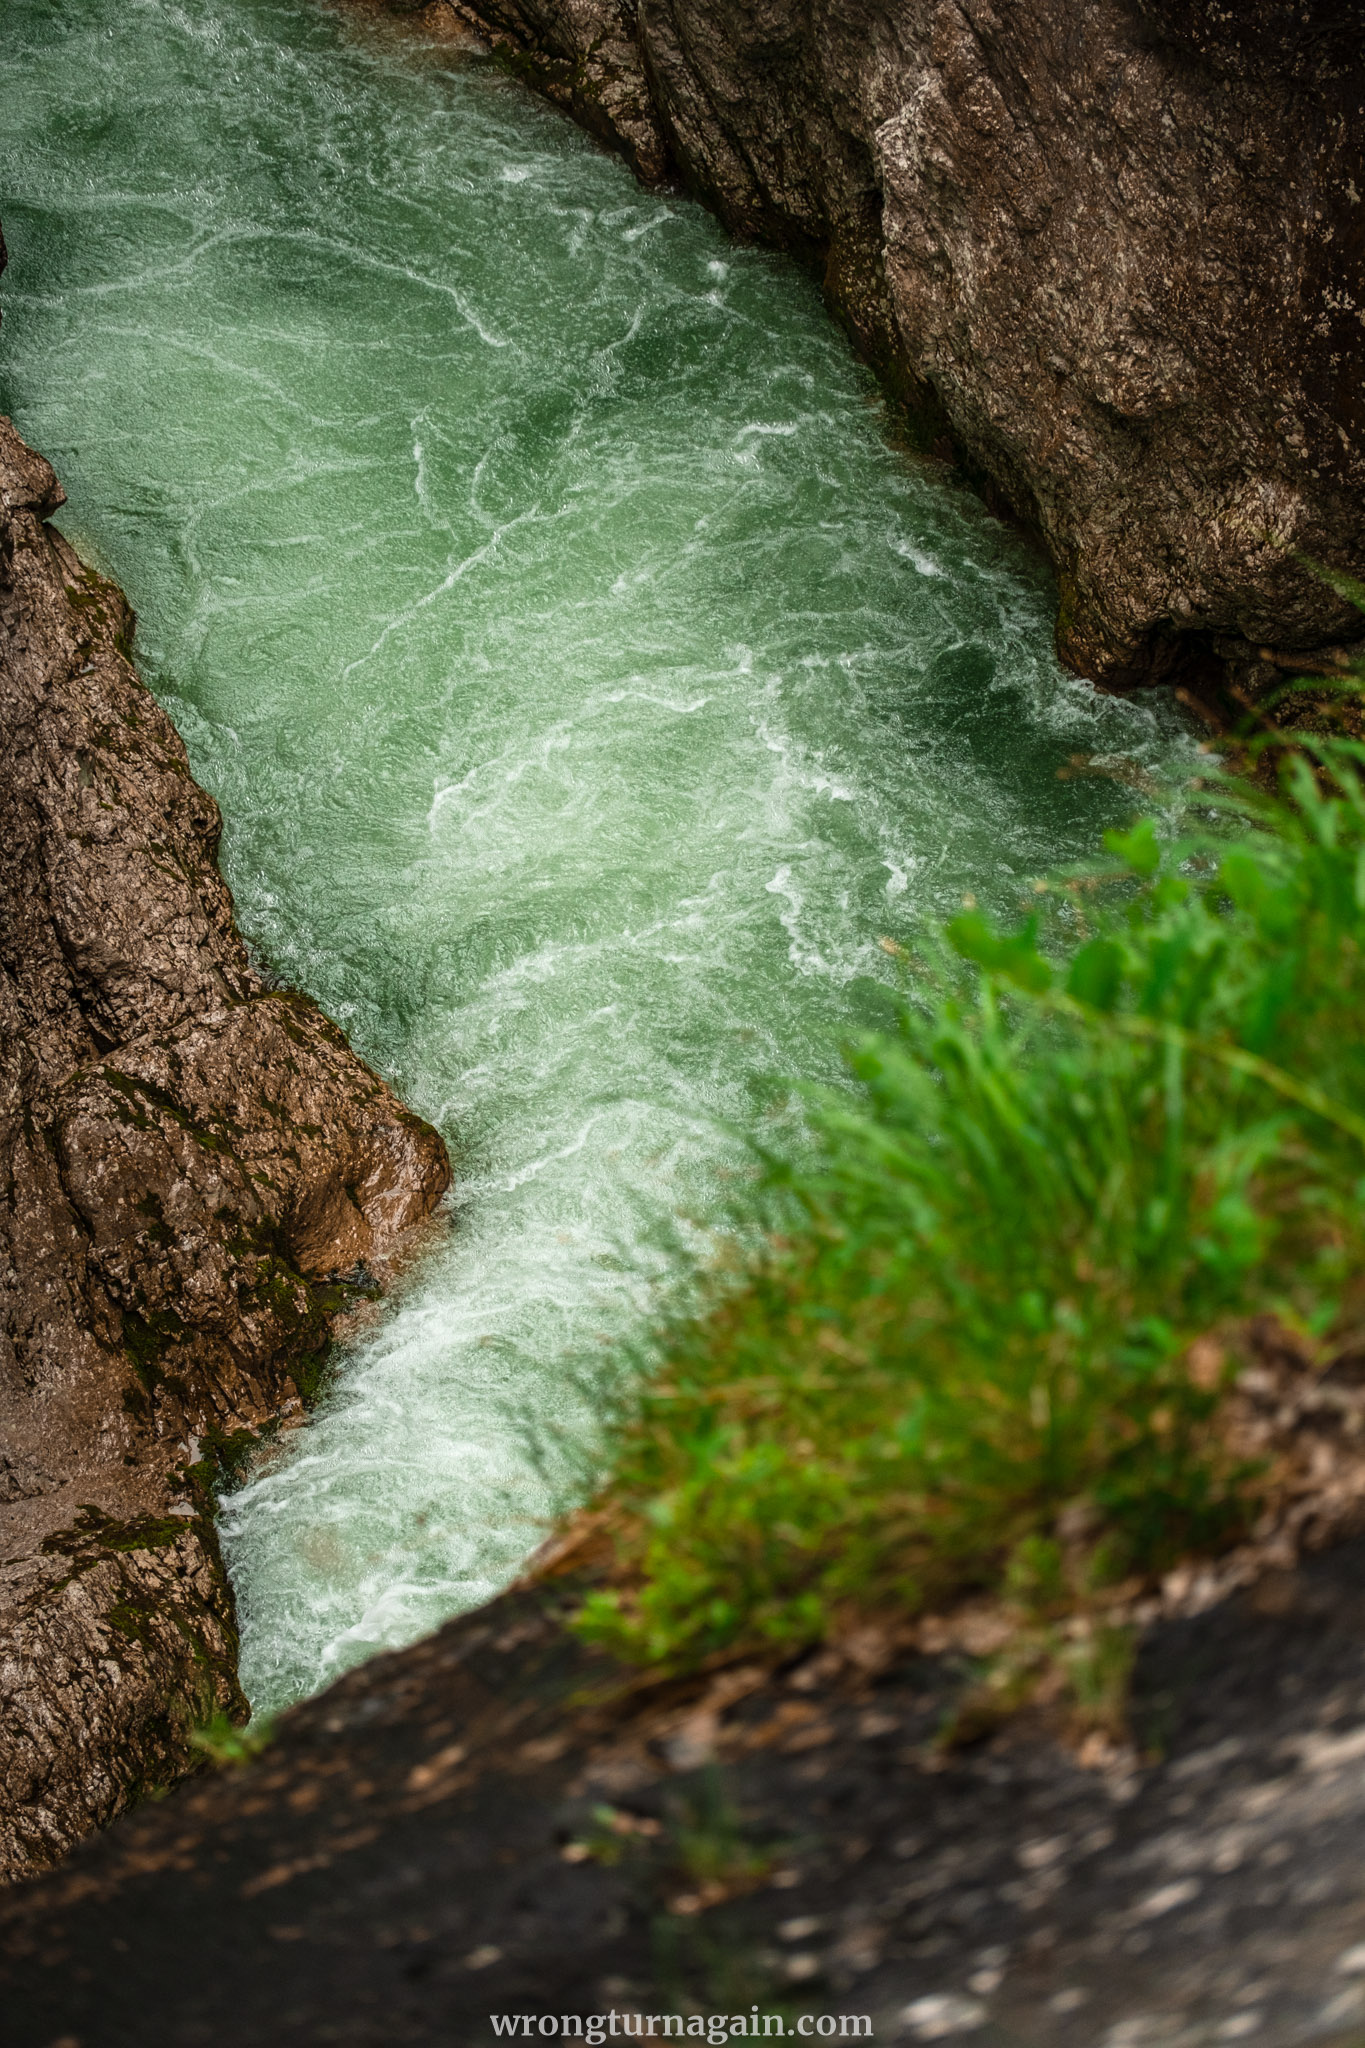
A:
(992, 1298)
(226, 1744)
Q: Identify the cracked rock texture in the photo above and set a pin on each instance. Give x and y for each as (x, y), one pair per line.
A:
(187, 1160)
(1111, 252)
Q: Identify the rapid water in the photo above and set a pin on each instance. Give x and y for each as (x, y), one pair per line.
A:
(587, 685)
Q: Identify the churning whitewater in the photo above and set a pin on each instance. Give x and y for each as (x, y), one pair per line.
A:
(588, 685)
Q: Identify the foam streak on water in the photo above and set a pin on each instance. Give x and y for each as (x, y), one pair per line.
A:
(586, 683)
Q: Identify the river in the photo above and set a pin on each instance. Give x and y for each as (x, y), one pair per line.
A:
(588, 683)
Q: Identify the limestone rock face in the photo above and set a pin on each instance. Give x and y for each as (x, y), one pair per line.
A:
(186, 1160)
(1112, 251)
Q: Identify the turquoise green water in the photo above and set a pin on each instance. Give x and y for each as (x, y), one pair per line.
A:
(587, 685)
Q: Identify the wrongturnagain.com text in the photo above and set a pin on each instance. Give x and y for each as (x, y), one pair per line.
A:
(714, 2028)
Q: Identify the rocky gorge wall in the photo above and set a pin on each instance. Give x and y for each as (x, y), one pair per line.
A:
(1112, 252)
(192, 1165)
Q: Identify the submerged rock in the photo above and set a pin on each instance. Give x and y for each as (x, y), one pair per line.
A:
(188, 1159)
(1111, 253)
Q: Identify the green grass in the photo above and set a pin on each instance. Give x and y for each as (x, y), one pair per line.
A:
(225, 1744)
(996, 1292)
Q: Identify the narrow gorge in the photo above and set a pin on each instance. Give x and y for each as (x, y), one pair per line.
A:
(588, 686)
(609, 667)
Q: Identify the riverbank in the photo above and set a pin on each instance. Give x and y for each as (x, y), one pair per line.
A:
(199, 1176)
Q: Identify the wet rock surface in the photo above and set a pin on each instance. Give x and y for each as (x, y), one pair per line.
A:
(1111, 253)
(489, 1823)
(193, 1168)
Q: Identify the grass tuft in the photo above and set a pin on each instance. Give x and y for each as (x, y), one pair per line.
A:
(227, 1745)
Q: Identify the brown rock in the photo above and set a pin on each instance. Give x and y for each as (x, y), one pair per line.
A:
(1111, 251)
(586, 56)
(184, 1158)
